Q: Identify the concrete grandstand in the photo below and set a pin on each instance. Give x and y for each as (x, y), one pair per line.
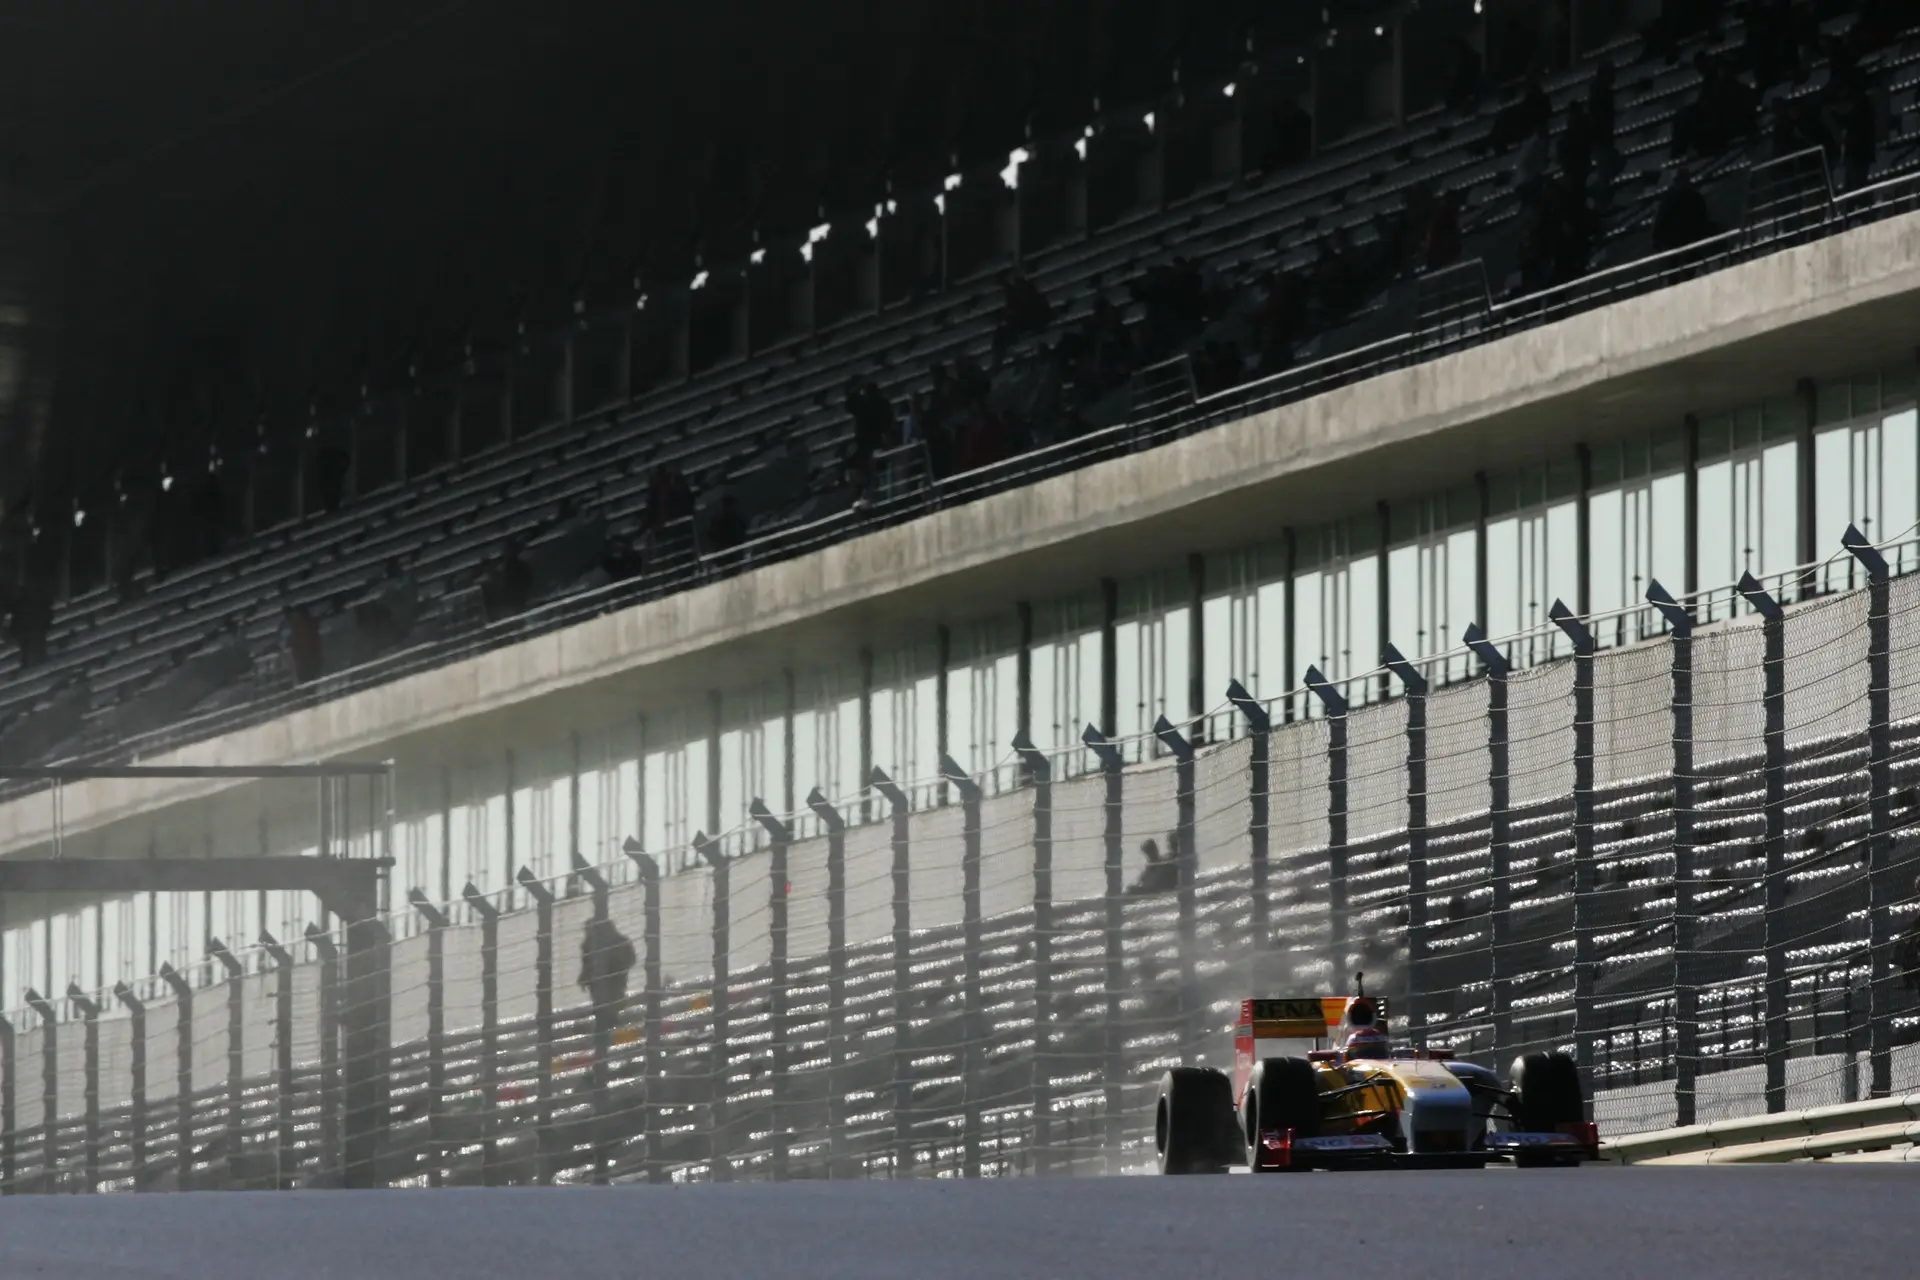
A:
(787, 765)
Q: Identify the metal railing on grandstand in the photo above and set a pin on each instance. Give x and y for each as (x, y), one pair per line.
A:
(1789, 201)
(1687, 861)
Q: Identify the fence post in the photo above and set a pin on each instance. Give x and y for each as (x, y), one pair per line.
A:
(286, 1161)
(90, 1081)
(1336, 707)
(720, 1167)
(183, 1087)
(1259, 779)
(973, 1011)
(489, 1028)
(1880, 895)
(780, 839)
(236, 1058)
(1040, 1081)
(436, 1020)
(1774, 669)
(1499, 831)
(1116, 978)
(1686, 993)
(137, 1096)
(1187, 869)
(650, 1056)
(545, 1139)
(902, 939)
(1415, 685)
(1584, 916)
(7, 1154)
(49, 1089)
(600, 1069)
(836, 829)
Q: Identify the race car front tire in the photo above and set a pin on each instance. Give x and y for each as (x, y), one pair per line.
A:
(1546, 1093)
(1282, 1094)
(1192, 1121)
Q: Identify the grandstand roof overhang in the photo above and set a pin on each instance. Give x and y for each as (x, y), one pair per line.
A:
(1714, 342)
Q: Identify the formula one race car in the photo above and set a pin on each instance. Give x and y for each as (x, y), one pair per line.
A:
(1294, 1102)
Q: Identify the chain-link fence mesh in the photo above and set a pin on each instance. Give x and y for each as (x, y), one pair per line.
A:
(992, 984)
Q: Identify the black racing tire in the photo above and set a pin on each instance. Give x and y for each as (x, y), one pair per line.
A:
(1194, 1114)
(1283, 1093)
(1546, 1093)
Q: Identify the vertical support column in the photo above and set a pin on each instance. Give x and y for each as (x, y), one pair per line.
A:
(286, 1158)
(1336, 707)
(973, 1010)
(1040, 1083)
(436, 922)
(1584, 915)
(780, 840)
(236, 1056)
(489, 1027)
(1023, 674)
(90, 1081)
(902, 939)
(836, 829)
(365, 1029)
(136, 1099)
(1774, 672)
(545, 1138)
(49, 1089)
(1499, 833)
(1686, 991)
(651, 1059)
(1415, 685)
(1259, 779)
(183, 1077)
(1880, 895)
(1186, 869)
(605, 1015)
(719, 1163)
(1115, 1066)
(1109, 657)
(8, 1156)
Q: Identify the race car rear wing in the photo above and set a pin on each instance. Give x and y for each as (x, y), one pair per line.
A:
(1300, 1018)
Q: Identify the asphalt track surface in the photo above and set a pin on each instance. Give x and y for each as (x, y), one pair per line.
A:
(1569, 1224)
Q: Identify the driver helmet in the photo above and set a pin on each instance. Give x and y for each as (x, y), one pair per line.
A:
(1369, 1042)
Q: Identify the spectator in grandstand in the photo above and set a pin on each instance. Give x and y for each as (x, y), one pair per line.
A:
(1289, 136)
(607, 957)
(872, 416)
(1523, 118)
(1576, 149)
(300, 638)
(1162, 872)
(508, 590)
(31, 619)
(1441, 244)
(1682, 217)
(727, 528)
(669, 497)
(1465, 83)
(1024, 312)
(1860, 136)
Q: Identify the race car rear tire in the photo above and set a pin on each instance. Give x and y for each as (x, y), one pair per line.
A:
(1546, 1093)
(1283, 1093)
(1194, 1115)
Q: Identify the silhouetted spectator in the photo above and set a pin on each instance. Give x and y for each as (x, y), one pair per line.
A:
(31, 620)
(872, 416)
(1859, 132)
(510, 588)
(333, 466)
(728, 528)
(607, 957)
(669, 497)
(1682, 217)
(1442, 243)
(1160, 875)
(1600, 105)
(1289, 136)
(1465, 82)
(300, 635)
(1024, 312)
(1576, 149)
(1526, 116)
